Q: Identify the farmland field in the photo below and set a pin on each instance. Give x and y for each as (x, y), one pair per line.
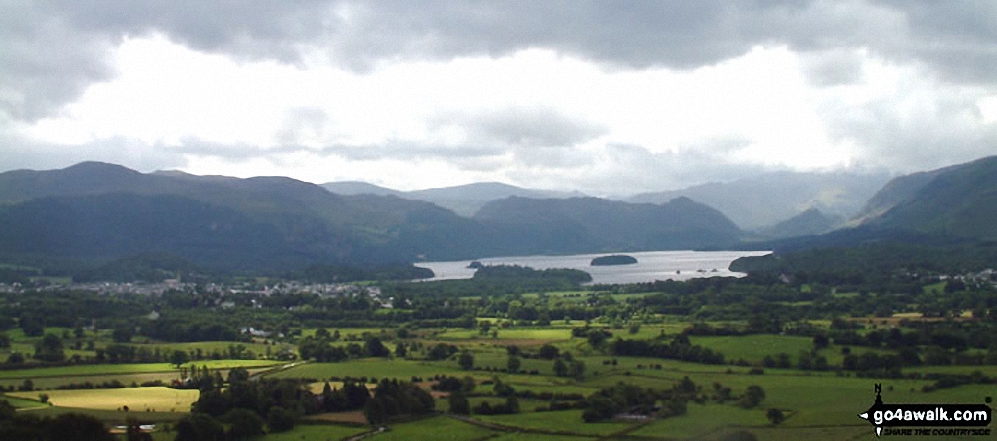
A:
(701, 420)
(159, 399)
(435, 428)
(517, 436)
(316, 432)
(563, 422)
(129, 368)
(90, 369)
(23, 403)
(366, 368)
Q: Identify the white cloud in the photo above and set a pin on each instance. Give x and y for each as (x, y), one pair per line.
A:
(447, 93)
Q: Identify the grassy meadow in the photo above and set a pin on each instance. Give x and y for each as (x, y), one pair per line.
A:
(817, 405)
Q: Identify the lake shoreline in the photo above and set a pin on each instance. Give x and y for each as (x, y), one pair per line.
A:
(651, 266)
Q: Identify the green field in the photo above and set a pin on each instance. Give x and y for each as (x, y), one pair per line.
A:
(755, 347)
(436, 428)
(518, 436)
(89, 369)
(23, 403)
(345, 333)
(544, 334)
(702, 420)
(567, 422)
(206, 347)
(231, 364)
(377, 368)
(127, 368)
(155, 399)
(315, 432)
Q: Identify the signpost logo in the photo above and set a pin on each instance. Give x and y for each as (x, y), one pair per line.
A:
(958, 419)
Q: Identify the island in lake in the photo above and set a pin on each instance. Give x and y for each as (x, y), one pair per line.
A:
(616, 259)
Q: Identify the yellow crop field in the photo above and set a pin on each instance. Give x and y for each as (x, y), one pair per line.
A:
(158, 399)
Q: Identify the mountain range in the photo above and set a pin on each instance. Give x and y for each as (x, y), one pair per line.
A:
(951, 206)
(760, 202)
(94, 212)
(958, 201)
(98, 211)
(464, 200)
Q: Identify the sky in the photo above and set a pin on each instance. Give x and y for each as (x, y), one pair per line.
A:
(605, 97)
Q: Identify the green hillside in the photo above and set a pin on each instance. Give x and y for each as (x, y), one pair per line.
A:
(959, 201)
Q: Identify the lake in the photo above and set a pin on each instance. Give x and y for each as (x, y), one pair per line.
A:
(650, 266)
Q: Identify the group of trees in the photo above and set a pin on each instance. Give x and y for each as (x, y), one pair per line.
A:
(393, 398)
(320, 348)
(246, 406)
(611, 401)
(679, 348)
(28, 427)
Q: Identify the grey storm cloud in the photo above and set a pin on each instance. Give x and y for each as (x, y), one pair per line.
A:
(833, 67)
(52, 50)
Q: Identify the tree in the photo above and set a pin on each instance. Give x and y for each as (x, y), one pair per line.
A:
(512, 404)
(775, 416)
(400, 350)
(123, 334)
(199, 427)
(374, 412)
(441, 351)
(280, 419)
(80, 427)
(238, 374)
(243, 423)
(466, 360)
(548, 351)
(50, 349)
(459, 404)
(560, 368)
(374, 348)
(806, 360)
(179, 358)
(752, 396)
(512, 364)
(821, 341)
(578, 370)
(32, 327)
(544, 318)
(15, 358)
(597, 337)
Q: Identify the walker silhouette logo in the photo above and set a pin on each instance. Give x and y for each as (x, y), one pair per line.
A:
(957, 419)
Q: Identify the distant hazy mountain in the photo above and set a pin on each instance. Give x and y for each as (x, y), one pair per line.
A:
(464, 200)
(94, 212)
(959, 201)
(580, 224)
(765, 200)
(808, 223)
(351, 188)
(954, 207)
